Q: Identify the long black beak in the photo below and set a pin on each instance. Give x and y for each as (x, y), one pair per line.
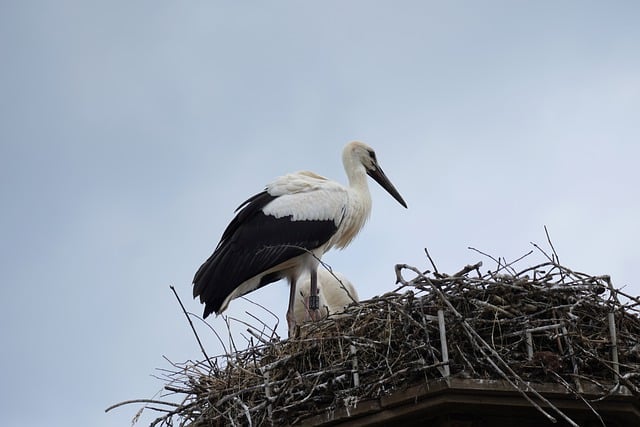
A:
(377, 174)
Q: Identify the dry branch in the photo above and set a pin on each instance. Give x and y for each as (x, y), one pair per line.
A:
(545, 323)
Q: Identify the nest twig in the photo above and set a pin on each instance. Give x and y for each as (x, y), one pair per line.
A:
(545, 323)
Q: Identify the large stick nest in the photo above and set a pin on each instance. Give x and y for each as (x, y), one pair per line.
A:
(545, 323)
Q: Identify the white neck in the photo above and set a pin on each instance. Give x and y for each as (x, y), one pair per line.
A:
(359, 205)
(356, 172)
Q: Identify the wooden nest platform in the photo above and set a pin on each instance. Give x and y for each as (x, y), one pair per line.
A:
(540, 325)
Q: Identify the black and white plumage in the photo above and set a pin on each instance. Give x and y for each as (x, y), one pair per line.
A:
(284, 230)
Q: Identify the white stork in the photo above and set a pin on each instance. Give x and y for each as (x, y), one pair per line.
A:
(284, 230)
(335, 293)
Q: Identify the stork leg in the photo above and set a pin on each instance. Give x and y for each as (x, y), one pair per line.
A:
(314, 298)
(291, 321)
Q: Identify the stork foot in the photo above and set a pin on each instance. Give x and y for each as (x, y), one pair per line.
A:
(312, 315)
(315, 315)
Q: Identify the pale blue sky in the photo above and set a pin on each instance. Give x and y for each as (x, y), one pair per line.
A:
(130, 131)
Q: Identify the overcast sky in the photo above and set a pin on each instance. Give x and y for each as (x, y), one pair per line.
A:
(131, 130)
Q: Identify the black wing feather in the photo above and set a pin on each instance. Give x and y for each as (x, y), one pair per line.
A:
(252, 243)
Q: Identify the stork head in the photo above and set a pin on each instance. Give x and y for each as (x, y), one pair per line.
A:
(358, 154)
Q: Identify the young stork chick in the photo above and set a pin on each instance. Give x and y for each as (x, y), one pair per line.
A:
(283, 231)
(335, 292)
